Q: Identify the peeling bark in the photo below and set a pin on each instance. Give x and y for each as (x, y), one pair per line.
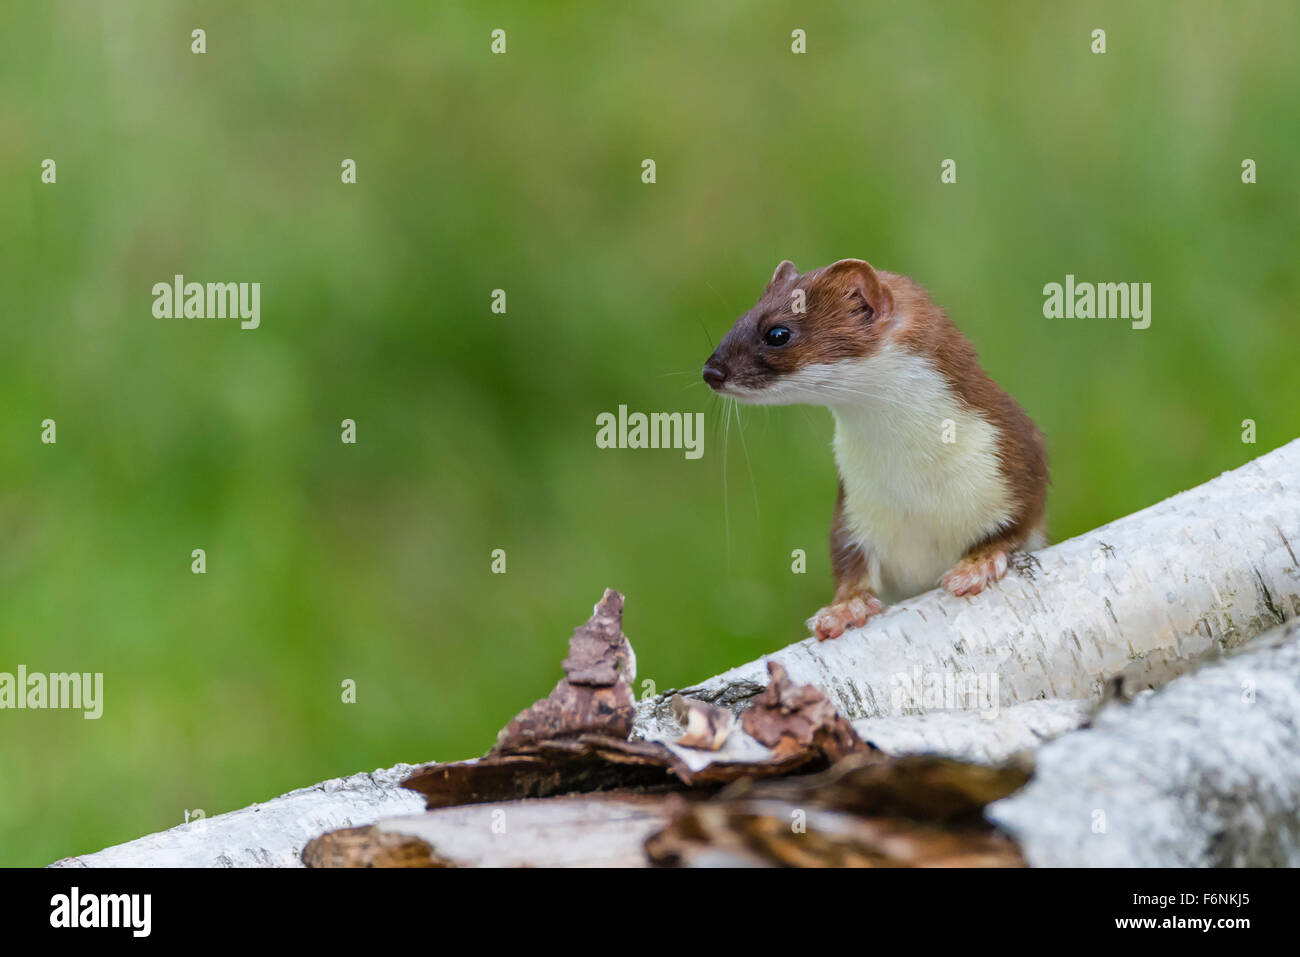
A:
(547, 750)
(595, 694)
(1204, 772)
(866, 811)
(789, 720)
(758, 834)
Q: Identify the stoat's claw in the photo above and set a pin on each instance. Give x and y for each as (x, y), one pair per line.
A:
(833, 620)
(971, 574)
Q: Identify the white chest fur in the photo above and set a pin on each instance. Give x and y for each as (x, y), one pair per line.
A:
(919, 467)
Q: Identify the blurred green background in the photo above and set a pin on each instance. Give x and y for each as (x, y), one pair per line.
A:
(476, 431)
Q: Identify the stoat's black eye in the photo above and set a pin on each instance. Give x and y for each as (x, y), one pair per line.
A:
(777, 336)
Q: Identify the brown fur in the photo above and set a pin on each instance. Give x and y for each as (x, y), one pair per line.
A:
(833, 327)
(1021, 449)
(848, 560)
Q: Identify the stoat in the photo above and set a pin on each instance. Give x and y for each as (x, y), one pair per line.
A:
(942, 476)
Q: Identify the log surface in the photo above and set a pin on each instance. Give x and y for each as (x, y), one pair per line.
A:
(271, 834)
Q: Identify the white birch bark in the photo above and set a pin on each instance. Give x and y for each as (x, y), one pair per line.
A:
(271, 834)
(979, 737)
(1203, 773)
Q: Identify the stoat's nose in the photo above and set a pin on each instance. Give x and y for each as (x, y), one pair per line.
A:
(714, 374)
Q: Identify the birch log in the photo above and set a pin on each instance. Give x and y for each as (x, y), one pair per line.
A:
(273, 834)
(1139, 600)
(1203, 773)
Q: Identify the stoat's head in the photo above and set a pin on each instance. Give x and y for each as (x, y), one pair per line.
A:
(783, 350)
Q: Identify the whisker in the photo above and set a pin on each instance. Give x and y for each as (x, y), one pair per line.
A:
(726, 512)
(848, 391)
(748, 464)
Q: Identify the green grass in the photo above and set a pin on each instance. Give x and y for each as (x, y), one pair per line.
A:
(476, 431)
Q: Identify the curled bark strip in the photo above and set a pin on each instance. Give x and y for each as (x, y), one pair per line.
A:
(593, 763)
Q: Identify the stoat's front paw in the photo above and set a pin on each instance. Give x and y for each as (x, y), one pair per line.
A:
(832, 620)
(971, 574)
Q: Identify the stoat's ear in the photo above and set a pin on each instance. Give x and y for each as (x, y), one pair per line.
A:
(785, 274)
(859, 282)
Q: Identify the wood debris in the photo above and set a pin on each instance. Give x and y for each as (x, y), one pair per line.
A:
(595, 694)
(864, 812)
(368, 846)
(576, 739)
(707, 726)
(790, 719)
